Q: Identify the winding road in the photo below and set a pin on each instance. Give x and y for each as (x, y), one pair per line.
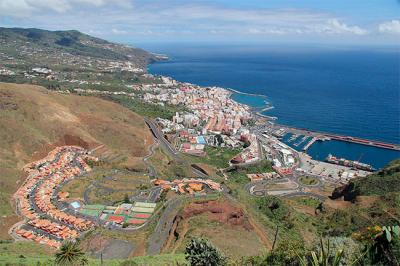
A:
(253, 188)
(169, 148)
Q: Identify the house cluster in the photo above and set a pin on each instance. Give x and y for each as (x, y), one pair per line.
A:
(37, 198)
(39, 238)
(6, 72)
(125, 214)
(211, 106)
(114, 66)
(30, 53)
(190, 186)
(99, 92)
(263, 176)
(251, 153)
(192, 144)
(282, 156)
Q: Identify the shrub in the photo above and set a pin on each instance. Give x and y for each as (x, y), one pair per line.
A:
(201, 252)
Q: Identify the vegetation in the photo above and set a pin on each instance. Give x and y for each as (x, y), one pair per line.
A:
(382, 245)
(238, 175)
(168, 168)
(384, 181)
(308, 180)
(380, 183)
(274, 208)
(146, 109)
(200, 252)
(73, 42)
(70, 253)
(165, 259)
(308, 201)
(325, 256)
(217, 157)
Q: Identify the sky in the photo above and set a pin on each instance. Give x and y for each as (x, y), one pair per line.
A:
(316, 21)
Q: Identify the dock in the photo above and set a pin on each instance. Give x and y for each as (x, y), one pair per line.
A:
(326, 136)
(367, 142)
(314, 139)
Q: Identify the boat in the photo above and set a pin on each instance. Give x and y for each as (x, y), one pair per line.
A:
(349, 163)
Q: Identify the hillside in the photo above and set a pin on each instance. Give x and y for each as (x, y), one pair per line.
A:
(75, 43)
(380, 183)
(34, 120)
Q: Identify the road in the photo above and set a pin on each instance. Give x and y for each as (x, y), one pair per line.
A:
(163, 142)
(164, 225)
(169, 148)
(152, 171)
(284, 192)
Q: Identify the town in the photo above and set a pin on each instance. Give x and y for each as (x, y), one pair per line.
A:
(255, 155)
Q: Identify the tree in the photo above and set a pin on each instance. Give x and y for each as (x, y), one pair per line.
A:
(201, 252)
(71, 253)
(275, 209)
(126, 199)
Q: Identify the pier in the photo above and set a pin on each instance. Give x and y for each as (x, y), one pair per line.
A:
(314, 139)
(367, 142)
(326, 136)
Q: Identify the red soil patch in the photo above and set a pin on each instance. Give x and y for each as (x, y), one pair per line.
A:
(95, 243)
(221, 212)
(74, 140)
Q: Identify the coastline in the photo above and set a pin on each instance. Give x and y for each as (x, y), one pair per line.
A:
(246, 93)
(257, 113)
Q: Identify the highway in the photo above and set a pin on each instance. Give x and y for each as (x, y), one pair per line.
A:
(169, 148)
(163, 142)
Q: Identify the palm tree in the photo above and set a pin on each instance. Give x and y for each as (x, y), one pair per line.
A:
(71, 253)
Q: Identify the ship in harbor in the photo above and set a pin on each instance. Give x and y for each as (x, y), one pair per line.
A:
(349, 163)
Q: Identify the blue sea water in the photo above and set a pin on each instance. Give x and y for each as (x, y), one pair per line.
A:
(348, 90)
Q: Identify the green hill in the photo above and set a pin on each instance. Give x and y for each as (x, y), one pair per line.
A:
(380, 183)
(75, 43)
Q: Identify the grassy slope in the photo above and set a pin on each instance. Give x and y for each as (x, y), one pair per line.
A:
(34, 120)
(216, 157)
(34, 259)
(380, 183)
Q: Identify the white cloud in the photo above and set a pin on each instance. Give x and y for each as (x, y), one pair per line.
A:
(267, 31)
(14, 8)
(392, 27)
(119, 32)
(334, 26)
(24, 8)
(174, 19)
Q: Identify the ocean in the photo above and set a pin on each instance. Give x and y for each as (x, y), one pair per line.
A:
(348, 90)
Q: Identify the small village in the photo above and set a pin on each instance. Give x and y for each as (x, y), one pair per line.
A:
(37, 198)
(46, 221)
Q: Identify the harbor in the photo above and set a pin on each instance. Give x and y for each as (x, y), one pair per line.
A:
(320, 145)
(328, 136)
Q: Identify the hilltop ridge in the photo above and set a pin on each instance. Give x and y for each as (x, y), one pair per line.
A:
(76, 43)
